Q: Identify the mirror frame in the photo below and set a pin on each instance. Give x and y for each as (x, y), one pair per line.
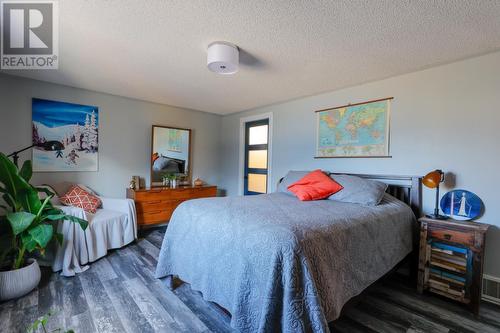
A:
(151, 153)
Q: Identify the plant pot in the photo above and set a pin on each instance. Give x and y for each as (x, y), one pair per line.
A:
(19, 282)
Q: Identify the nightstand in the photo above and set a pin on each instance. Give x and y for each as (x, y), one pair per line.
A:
(451, 259)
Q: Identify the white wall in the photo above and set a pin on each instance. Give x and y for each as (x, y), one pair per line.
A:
(446, 117)
(124, 133)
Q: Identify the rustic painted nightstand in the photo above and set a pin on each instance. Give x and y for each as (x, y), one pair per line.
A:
(451, 259)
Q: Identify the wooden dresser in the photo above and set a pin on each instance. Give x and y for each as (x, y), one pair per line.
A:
(451, 259)
(156, 205)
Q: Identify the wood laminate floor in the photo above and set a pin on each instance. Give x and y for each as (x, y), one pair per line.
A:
(120, 294)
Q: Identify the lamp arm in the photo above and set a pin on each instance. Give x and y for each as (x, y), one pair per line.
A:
(436, 208)
(15, 155)
(20, 151)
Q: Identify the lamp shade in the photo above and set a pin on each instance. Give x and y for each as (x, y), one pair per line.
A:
(433, 178)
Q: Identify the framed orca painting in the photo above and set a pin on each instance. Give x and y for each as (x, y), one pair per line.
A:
(65, 136)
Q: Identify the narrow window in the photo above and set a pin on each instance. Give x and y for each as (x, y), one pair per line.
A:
(256, 157)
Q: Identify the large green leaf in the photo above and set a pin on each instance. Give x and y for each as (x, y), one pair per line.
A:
(28, 241)
(8, 173)
(42, 234)
(44, 203)
(9, 177)
(26, 170)
(54, 217)
(20, 221)
(29, 200)
(83, 224)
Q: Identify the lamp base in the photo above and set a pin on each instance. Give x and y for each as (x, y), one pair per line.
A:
(437, 217)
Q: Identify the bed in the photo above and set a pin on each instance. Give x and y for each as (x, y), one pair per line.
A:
(281, 265)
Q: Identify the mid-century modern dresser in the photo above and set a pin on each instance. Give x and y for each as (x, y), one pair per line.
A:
(156, 205)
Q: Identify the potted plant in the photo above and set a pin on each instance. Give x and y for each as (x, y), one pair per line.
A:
(164, 179)
(169, 179)
(27, 225)
(172, 177)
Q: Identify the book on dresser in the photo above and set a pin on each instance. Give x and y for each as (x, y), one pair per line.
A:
(451, 259)
(155, 205)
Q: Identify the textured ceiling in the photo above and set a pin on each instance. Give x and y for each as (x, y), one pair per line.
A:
(156, 50)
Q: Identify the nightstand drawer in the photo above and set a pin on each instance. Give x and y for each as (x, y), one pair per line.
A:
(465, 238)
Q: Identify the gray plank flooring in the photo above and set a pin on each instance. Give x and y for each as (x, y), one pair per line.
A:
(120, 294)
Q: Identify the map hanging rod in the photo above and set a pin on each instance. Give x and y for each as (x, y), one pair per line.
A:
(347, 105)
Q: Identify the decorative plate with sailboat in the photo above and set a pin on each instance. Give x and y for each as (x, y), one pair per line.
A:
(461, 205)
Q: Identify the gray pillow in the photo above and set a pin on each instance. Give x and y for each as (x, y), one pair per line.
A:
(358, 190)
(290, 178)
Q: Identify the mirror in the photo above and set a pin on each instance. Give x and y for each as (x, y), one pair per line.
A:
(170, 153)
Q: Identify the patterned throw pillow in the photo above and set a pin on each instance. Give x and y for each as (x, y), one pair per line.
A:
(78, 197)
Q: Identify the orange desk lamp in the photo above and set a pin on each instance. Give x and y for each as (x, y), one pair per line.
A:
(432, 180)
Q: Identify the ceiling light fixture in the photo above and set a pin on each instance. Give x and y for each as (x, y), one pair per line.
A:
(223, 58)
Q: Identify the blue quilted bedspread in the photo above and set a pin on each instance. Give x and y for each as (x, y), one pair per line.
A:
(281, 265)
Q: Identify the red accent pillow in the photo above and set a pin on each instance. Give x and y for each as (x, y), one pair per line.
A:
(78, 197)
(315, 186)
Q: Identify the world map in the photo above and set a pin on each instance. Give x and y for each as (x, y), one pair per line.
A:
(354, 131)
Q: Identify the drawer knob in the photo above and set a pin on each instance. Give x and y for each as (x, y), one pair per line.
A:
(447, 236)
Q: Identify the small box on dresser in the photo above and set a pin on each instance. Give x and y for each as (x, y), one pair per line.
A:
(156, 205)
(451, 259)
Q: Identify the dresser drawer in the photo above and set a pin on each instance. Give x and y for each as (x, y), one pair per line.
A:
(453, 236)
(153, 217)
(149, 206)
(151, 195)
(192, 193)
(179, 194)
(203, 193)
(156, 205)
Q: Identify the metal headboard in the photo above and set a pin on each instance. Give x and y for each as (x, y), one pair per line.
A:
(405, 188)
